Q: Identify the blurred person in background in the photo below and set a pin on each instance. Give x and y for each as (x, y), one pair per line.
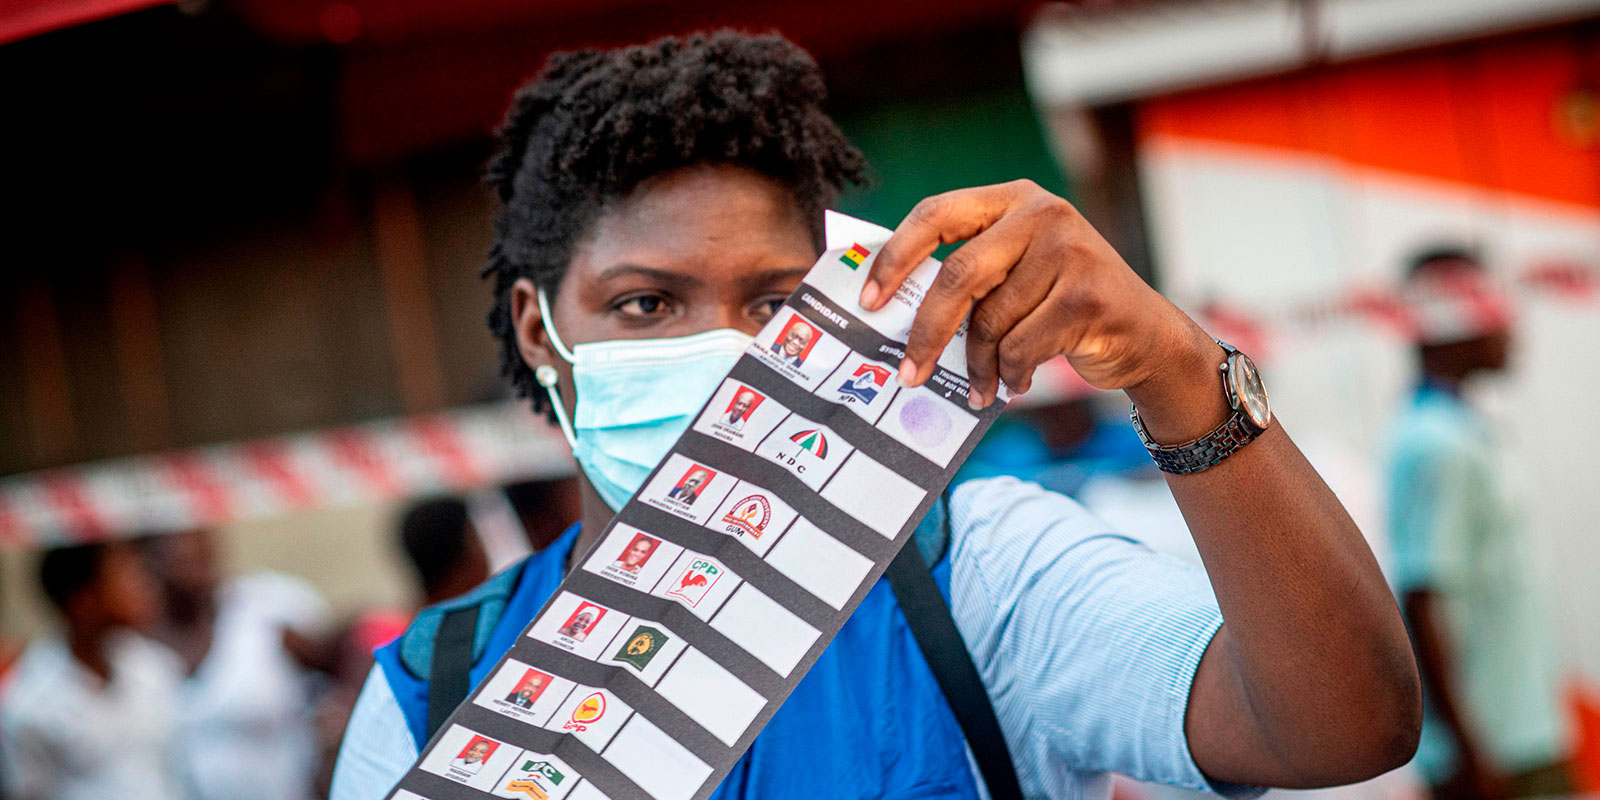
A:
(1494, 725)
(244, 723)
(90, 712)
(445, 551)
(10, 649)
(443, 547)
(543, 507)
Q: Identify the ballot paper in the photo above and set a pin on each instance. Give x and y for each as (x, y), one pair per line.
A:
(703, 603)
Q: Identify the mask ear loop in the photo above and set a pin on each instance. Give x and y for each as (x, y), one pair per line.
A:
(549, 324)
(547, 377)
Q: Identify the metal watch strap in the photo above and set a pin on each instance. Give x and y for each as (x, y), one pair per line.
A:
(1202, 453)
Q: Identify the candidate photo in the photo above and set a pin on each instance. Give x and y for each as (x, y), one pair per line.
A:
(527, 692)
(637, 552)
(795, 342)
(581, 622)
(739, 409)
(691, 485)
(473, 755)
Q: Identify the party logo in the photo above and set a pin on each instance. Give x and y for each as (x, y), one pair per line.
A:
(694, 582)
(641, 647)
(749, 516)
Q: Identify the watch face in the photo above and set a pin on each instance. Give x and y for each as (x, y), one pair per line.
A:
(1246, 385)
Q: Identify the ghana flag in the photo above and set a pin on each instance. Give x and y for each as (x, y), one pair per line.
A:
(853, 257)
(812, 440)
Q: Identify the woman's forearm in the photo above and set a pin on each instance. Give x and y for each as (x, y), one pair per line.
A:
(1311, 680)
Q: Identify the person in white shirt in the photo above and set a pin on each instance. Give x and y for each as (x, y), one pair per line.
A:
(246, 706)
(89, 712)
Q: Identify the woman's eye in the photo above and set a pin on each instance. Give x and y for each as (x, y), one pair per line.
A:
(767, 309)
(647, 305)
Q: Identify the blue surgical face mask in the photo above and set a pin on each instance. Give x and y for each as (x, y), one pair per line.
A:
(635, 398)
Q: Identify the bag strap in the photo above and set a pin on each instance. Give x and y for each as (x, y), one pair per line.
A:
(935, 630)
(448, 675)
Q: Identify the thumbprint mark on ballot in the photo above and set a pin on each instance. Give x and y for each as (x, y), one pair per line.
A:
(925, 421)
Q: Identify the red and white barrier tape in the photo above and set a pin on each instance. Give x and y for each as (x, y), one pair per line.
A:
(454, 451)
(1406, 315)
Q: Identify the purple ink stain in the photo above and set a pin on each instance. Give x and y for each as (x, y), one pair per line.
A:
(927, 423)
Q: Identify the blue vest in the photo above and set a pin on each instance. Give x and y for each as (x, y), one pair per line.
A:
(868, 720)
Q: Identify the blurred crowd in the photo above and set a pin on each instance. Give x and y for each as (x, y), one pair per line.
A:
(167, 678)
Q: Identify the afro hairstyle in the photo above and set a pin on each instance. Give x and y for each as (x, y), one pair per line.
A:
(594, 124)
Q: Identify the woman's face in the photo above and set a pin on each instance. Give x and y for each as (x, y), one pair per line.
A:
(692, 250)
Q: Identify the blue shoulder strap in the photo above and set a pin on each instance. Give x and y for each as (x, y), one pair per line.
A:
(932, 625)
(417, 643)
(471, 625)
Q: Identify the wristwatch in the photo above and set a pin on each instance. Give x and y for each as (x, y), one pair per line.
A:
(1241, 385)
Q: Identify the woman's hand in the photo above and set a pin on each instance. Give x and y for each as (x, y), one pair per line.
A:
(1039, 282)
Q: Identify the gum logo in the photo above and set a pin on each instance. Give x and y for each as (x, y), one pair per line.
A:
(749, 516)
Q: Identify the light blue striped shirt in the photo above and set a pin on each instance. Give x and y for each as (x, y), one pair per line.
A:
(1086, 640)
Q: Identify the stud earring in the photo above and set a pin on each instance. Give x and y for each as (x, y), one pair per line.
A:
(545, 375)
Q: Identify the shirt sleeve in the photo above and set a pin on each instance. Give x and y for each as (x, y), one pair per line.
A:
(1086, 640)
(377, 748)
(1433, 501)
(28, 766)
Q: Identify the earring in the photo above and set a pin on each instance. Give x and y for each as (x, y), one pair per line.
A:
(545, 375)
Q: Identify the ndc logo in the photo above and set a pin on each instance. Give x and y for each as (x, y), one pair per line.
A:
(812, 441)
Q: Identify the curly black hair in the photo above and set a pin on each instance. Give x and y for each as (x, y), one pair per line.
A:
(594, 124)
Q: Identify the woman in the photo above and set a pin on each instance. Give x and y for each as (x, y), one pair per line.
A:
(678, 188)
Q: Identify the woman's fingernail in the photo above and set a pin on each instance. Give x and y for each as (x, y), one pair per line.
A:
(869, 295)
(975, 401)
(908, 371)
